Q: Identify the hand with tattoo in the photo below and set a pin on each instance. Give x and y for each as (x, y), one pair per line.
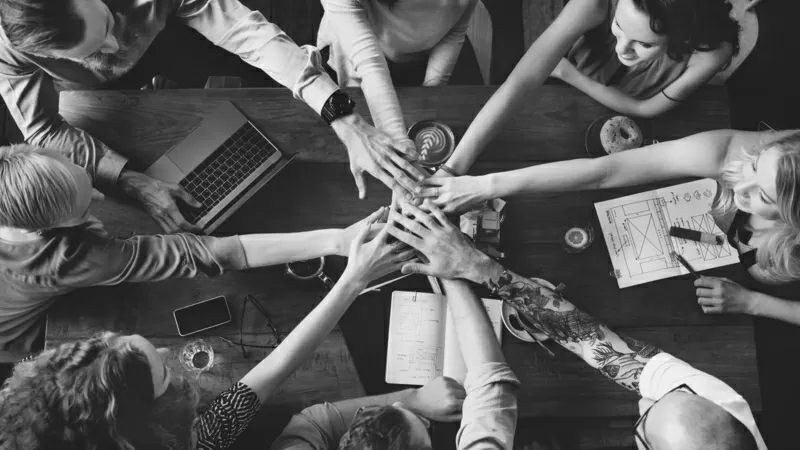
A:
(451, 255)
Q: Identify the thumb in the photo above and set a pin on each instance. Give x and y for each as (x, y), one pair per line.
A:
(417, 268)
(360, 184)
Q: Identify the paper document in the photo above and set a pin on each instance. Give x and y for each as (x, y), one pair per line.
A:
(636, 231)
(422, 338)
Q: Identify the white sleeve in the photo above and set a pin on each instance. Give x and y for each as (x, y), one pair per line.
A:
(665, 372)
(353, 30)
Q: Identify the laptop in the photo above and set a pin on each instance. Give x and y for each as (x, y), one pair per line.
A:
(223, 162)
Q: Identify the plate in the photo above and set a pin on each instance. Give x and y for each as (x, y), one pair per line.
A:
(508, 310)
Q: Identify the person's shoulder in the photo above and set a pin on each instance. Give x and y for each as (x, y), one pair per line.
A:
(12, 61)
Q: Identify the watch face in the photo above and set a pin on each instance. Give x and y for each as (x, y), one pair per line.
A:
(338, 105)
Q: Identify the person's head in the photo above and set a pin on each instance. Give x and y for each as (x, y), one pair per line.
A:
(93, 33)
(110, 391)
(765, 182)
(647, 29)
(42, 189)
(392, 427)
(685, 421)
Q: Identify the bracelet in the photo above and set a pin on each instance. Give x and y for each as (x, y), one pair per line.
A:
(496, 287)
(448, 170)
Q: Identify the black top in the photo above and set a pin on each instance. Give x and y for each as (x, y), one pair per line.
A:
(738, 232)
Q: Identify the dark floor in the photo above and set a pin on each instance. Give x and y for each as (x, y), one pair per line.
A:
(765, 89)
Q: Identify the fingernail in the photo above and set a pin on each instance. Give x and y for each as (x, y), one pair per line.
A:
(408, 196)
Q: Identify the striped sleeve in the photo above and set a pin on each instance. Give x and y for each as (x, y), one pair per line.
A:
(226, 418)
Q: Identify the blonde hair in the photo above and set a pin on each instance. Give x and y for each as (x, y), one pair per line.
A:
(778, 258)
(38, 190)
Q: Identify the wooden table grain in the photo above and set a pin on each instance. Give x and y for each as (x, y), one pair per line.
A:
(317, 191)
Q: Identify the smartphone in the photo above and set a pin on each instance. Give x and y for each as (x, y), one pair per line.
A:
(202, 316)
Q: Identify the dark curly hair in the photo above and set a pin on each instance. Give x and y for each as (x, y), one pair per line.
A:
(692, 25)
(381, 428)
(93, 394)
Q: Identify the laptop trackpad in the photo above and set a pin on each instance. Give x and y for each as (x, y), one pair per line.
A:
(165, 170)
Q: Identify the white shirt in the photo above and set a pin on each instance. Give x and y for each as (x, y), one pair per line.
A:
(665, 372)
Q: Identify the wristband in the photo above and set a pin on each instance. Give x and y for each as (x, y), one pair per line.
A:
(448, 170)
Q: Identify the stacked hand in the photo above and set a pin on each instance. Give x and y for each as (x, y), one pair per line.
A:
(446, 251)
(721, 295)
(454, 194)
(370, 260)
(441, 399)
(373, 151)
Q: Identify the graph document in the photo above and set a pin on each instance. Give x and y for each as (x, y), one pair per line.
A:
(636, 231)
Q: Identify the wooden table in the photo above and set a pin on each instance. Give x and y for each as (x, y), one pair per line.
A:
(317, 191)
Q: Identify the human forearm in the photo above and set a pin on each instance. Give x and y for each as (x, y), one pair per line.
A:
(473, 329)
(247, 34)
(296, 348)
(764, 305)
(278, 248)
(560, 176)
(619, 358)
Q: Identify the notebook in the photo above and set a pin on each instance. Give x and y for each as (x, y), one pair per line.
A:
(422, 338)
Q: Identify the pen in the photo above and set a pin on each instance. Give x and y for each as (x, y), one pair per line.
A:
(697, 236)
(685, 263)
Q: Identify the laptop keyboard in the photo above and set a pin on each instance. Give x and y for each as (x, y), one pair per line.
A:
(223, 171)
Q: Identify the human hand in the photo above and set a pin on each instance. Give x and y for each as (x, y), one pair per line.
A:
(158, 198)
(449, 254)
(723, 296)
(373, 151)
(371, 260)
(454, 194)
(346, 236)
(441, 399)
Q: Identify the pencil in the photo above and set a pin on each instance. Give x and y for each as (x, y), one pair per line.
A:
(686, 264)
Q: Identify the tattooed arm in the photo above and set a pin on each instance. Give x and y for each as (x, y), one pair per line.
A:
(618, 357)
(450, 254)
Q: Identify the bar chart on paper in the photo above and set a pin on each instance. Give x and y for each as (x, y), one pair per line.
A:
(636, 231)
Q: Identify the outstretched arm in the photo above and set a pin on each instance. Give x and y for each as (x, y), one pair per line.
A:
(618, 357)
(539, 61)
(701, 67)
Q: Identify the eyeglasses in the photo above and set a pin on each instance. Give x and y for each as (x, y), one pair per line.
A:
(638, 428)
(360, 410)
(250, 299)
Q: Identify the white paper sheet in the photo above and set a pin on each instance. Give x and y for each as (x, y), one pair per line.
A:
(422, 340)
(636, 231)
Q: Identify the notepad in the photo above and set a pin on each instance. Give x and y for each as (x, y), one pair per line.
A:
(422, 338)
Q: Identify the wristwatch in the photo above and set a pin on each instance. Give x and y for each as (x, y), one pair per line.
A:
(338, 105)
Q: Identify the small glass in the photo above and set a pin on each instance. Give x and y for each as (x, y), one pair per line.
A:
(197, 356)
(577, 238)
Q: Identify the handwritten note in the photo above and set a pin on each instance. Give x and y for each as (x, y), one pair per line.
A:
(422, 342)
(636, 231)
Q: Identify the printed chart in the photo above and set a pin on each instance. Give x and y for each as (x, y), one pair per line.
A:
(636, 231)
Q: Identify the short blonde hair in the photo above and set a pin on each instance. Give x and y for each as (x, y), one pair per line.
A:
(38, 190)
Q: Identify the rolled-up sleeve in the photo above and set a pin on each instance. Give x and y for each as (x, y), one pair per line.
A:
(234, 27)
(489, 414)
(97, 260)
(32, 100)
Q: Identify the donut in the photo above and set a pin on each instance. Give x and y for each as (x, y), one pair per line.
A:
(620, 133)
